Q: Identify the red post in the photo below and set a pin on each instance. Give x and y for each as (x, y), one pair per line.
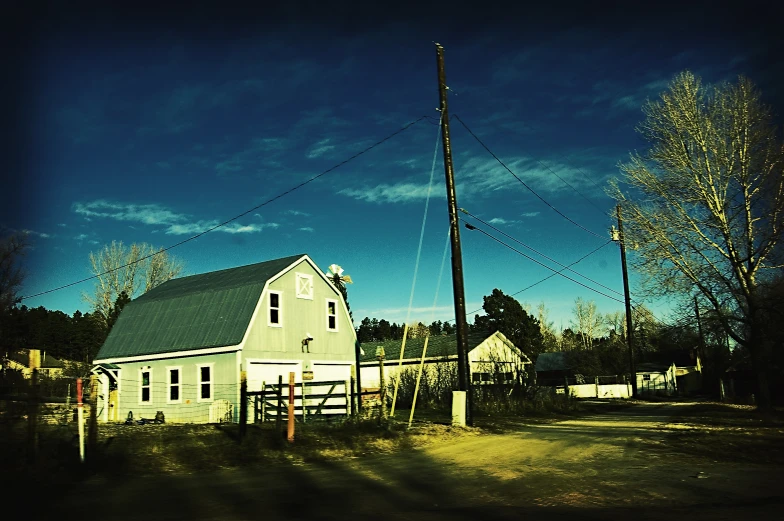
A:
(291, 408)
(80, 417)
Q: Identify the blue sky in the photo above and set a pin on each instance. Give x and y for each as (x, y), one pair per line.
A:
(152, 129)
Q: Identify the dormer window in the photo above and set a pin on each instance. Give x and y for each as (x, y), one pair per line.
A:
(304, 286)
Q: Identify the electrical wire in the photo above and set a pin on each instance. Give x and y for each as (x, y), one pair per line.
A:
(472, 227)
(556, 210)
(424, 221)
(224, 223)
(540, 253)
(572, 187)
(546, 278)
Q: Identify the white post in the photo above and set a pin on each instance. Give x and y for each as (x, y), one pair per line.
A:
(459, 408)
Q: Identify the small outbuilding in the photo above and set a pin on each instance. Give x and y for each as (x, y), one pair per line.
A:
(492, 358)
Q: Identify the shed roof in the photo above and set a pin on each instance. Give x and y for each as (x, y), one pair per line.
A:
(196, 312)
(47, 361)
(437, 346)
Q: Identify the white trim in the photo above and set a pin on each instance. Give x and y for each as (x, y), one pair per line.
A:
(273, 360)
(174, 354)
(199, 382)
(279, 308)
(169, 369)
(337, 321)
(307, 276)
(142, 370)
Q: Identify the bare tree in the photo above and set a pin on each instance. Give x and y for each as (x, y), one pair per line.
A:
(549, 336)
(588, 321)
(705, 203)
(11, 273)
(134, 270)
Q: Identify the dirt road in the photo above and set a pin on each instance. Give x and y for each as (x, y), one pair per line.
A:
(598, 467)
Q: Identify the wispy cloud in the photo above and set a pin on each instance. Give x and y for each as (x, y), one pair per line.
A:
(320, 148)
(397, 193)
(296, 212)
(500, 220)
(481, 177)
(306, 229)
(42, 235)
(530, 214)
(61, 225)
(156, 215)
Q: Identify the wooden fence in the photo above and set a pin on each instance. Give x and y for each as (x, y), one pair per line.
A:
(313, 400)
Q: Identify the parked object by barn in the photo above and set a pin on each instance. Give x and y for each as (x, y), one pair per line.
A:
(492, 359)
(180, 348)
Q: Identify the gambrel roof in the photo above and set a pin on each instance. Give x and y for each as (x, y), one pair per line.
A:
(197, 312)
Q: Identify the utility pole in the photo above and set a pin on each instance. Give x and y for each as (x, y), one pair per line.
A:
(457, 255)
(629, 330)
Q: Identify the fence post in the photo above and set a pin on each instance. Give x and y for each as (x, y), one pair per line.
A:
(243, 403)
(353, 396)
(566, 387)
(263, 401)
(304, 407)
(348, 397)
(32, 417)
(92, 433)
(597, 387)
(280, 403)
(80, 417)
(382, 383)
(290, 432)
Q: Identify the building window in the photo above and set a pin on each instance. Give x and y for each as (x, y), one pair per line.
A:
(646, 377)
(275, 318)
(205, 378)
(304, 286)
(174, 384)
(332, 315)
(145, 385)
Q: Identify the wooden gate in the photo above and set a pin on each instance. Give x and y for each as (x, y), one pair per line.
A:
(322, 401)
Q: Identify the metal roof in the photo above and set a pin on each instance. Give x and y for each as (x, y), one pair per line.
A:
(196, 312)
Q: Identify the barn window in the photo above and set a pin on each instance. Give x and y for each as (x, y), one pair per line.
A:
(145, 385)
(204, 377)
(174, 383)
(332, 315)
(646, 377)
(305, 286)
(275, 318)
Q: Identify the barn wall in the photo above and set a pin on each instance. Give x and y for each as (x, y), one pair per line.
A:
(300, 316)
(190, 409)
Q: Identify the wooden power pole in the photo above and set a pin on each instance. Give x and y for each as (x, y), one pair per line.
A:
(629, 329)
(454, 226)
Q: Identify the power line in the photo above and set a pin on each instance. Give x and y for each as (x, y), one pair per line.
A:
(572, 187)
(539, 253)
(556, 210)
(472, 227)
(549, 276)
(224, 223)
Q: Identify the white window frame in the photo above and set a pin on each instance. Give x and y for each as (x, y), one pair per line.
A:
(199, 382)
(335, 302)
(169, 369)
(142, 370)
(304, 277)
(279, 308)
